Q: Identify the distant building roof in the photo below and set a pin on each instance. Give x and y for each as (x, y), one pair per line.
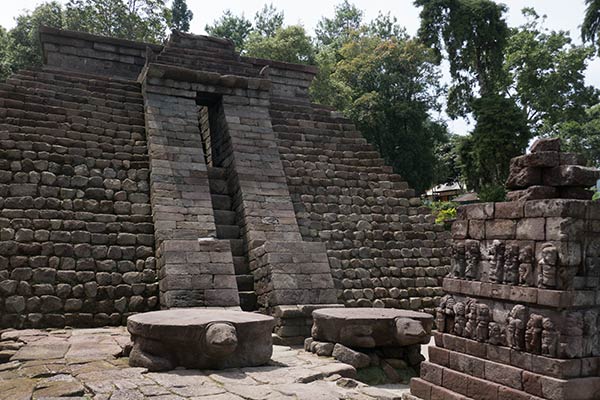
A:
(444, 187)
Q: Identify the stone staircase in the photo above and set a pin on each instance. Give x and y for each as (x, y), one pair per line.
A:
(226, 222)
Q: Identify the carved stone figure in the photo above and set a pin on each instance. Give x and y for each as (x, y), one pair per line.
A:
(459, 318)
(533, 334)
(440, 315)
(571, 341)
(459, 262)
(483, 322)
(548, 267)
(496, 254)
(515, 329)
(471, 314)
(526, 266)
(473, 257)
(450, 316)
(511, 265)
(590, 333)
(495, 333)
(549, 338)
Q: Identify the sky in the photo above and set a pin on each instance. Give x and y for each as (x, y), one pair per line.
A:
(561, 15)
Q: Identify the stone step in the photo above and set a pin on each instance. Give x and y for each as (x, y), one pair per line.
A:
(56, 84)
(240, 265)
(218, 186)
(245, 283)
(221, 202)
(228, 231)
(237, 247)
(94, 82)
(224, 217)
(248, 301)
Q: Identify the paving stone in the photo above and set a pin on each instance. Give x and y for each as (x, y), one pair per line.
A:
(42, 352)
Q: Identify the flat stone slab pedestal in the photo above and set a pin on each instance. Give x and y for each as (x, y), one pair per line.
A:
(199, 339)
(383, 343)
(371, 327)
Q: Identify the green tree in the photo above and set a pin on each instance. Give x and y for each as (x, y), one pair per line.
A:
(181, 16)
(289, 44)
(591, 22)
(23, 42)
(142, 20)
(501, 133)
(232, 27)
(4, 62)
(583, 136)
(337, 30)
(268, 20)
(472, 34)
(545, 74)
(390, 86)
(446, 168)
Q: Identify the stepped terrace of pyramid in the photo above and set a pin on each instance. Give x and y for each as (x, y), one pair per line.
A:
(136, 177)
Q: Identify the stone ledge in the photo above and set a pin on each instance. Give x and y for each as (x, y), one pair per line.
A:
(495, 381)
(165, 71)
(46, 30)
(553, 367)
(521, 294)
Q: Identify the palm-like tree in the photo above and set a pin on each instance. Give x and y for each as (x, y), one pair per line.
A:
(591, 22)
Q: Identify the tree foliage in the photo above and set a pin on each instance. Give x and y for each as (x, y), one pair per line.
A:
(181, 16)
(268, 20)
(289, 44)
(583, 136)
(337, 30)
(591, 22)
(267, 37)
(545, 75)
(472, 34)
(500, 134)
(142, 20)
(233, 27)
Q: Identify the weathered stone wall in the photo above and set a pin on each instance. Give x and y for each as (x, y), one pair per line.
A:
(383, 245)
(521, 318)
(195, 269)
(76, 236)
(308, 206)
(81, 52)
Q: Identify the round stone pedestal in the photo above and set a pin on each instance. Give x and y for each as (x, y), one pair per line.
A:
(371, 327)
(199, 339)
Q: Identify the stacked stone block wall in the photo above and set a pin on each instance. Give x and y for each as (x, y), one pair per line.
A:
(195, 269)
(76, 235)
(521, 318)
(81, 52)
(383, 245)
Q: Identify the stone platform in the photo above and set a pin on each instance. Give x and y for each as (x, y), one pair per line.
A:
(371, 327)
(88, 364)
(200, 338)
(384, 345)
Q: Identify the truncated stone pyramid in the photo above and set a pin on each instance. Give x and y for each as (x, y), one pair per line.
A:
(135, 177)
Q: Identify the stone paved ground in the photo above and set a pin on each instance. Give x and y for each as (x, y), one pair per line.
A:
(86, 364)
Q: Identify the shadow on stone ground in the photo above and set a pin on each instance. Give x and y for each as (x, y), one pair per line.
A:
(88, 364)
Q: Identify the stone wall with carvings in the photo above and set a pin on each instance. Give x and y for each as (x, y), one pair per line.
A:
(521, 314)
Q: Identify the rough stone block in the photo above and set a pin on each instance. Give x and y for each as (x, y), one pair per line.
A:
(531, 229)
(500, 229)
